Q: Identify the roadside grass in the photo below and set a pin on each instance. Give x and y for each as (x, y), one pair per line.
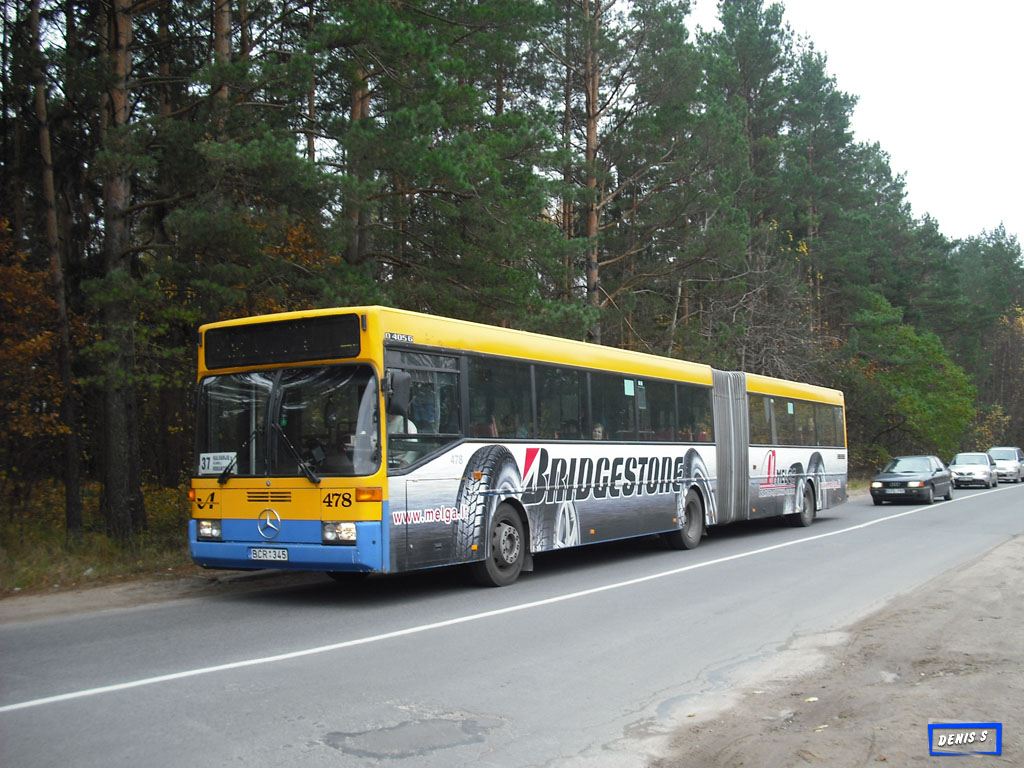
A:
(35, 554)
(858, 483)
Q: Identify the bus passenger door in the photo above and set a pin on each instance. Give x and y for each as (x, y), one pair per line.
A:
(732, 445)
(430, 517)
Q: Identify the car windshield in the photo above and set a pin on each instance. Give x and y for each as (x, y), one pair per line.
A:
(909, 464)
(970, 458)
(1006, 454)
(308, 421)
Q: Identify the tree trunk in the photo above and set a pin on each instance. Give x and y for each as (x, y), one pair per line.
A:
(360, 110)
(311, 96)
(244, 24)
(68, 411)
(13, 159)
(567, 201)
(164, 67)
(591, 84)
(222, 40)
(122, 495)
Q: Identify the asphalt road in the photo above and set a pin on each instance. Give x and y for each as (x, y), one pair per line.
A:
(592, 660)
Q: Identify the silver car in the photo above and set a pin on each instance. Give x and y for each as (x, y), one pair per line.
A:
(1009, 462)
(974, 469)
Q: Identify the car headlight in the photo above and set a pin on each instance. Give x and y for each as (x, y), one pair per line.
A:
(208, 530)
(339, 533)
(915, 484)
(876, 484)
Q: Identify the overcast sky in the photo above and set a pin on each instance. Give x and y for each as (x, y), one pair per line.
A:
(940, 87)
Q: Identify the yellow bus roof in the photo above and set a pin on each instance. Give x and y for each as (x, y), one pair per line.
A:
(449, 333)
(766, 385)
(452, 334)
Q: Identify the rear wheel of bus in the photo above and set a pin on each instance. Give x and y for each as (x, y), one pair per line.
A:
(805, 515)
(691, 523)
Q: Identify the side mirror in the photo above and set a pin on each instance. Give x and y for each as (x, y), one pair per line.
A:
(397, 392)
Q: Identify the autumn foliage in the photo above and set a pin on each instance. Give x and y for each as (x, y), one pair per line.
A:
(30, 391)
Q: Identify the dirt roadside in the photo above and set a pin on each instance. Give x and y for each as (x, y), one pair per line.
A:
(952, 651)
(152, 589)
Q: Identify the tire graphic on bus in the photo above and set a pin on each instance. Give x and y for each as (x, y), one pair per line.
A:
(695, 503)
(566, 526)
(816, 474)
(806, 500)
(491, 476)
(795, 476)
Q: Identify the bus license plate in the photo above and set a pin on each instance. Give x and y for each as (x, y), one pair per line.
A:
(276, 555)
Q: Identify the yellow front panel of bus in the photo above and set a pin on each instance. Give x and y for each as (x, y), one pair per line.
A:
(292, 499)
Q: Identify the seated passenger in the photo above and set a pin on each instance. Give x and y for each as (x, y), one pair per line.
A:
(400, 425)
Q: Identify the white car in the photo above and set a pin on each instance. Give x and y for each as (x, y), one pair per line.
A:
(1009, 462)
(974, 469)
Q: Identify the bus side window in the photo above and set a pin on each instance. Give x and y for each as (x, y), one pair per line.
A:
(824, 425)
(614, 399)
(760, 420)
(695, 419)
(805, 434)
(785, 421)
(433, 418)
(657, 411)
(559, 402)
(500, 399)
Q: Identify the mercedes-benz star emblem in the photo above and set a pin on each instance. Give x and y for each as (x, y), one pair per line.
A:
(268, 523)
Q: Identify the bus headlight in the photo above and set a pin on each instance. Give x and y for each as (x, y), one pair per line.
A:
(339, 533)
(208, 530)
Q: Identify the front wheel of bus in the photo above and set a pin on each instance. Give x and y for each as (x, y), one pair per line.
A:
(691, 523)
(506, 550)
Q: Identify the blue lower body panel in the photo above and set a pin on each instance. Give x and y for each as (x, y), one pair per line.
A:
(301, 539)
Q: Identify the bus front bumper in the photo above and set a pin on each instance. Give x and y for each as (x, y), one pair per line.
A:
(308, 554)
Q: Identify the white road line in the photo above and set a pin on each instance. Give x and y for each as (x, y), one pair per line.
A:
(436, 625)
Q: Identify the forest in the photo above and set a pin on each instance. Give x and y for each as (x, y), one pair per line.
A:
(593, 169)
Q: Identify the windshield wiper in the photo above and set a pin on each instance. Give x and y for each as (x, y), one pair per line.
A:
(226, 472)
(304, 465)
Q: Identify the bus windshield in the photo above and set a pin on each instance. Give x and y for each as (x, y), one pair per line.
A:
(309, 421)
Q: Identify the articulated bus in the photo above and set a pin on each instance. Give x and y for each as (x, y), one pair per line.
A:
(376, 440)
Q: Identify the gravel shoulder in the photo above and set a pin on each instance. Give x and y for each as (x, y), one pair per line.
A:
(948, 652)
